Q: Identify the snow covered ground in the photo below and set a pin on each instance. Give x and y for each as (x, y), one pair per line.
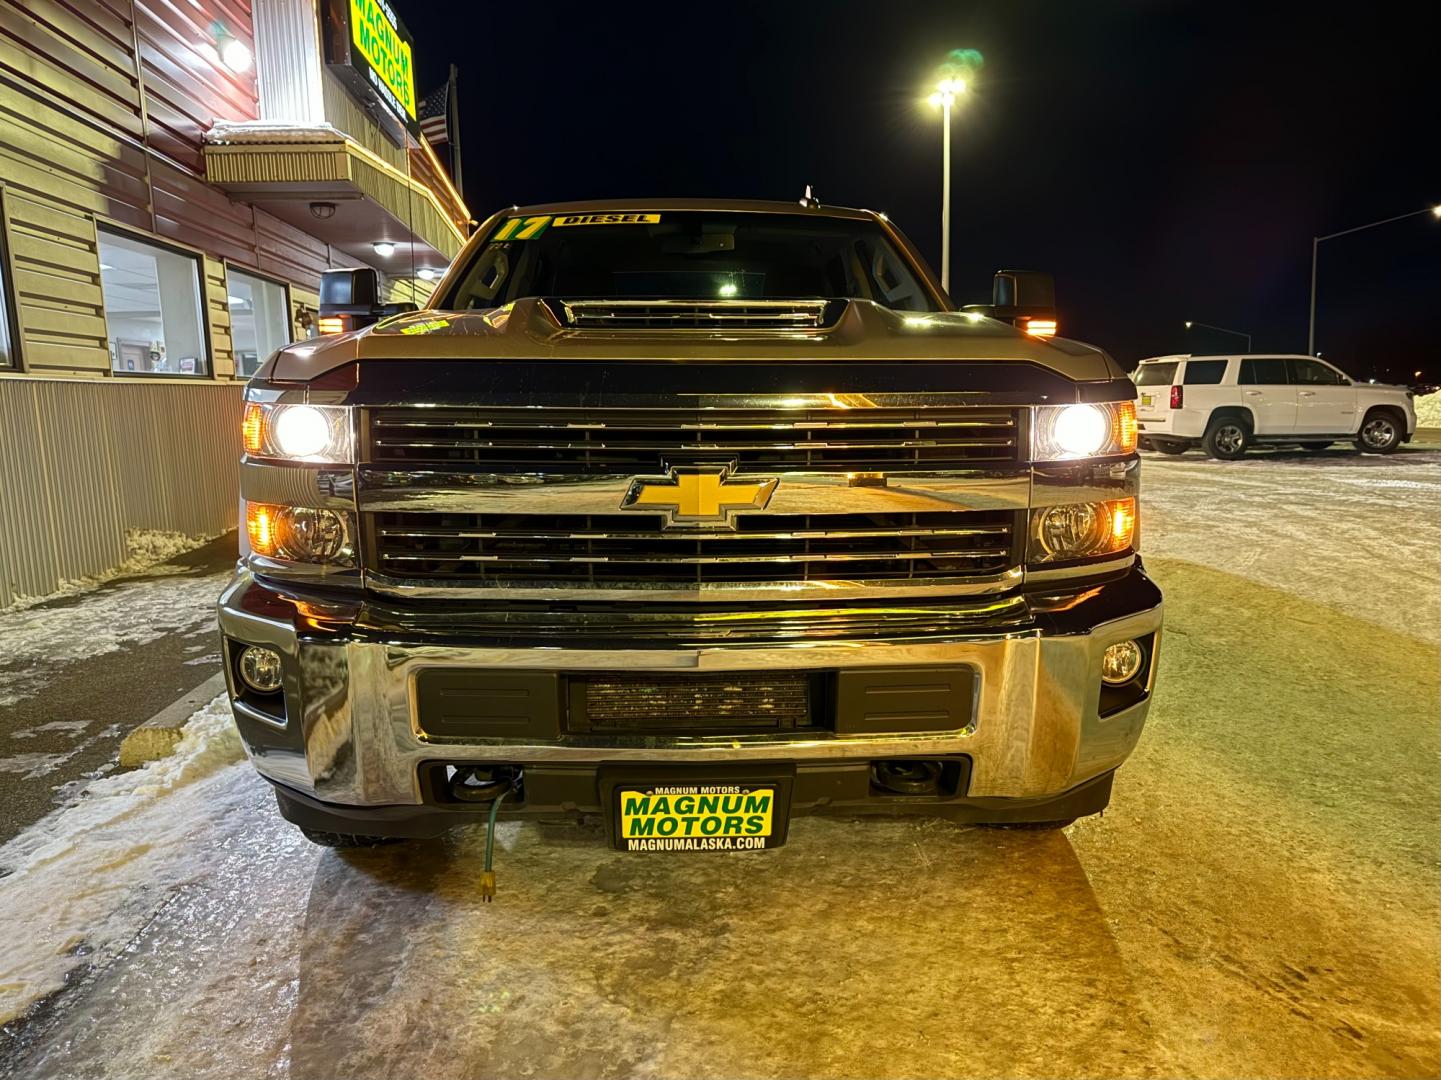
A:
(1263, 897)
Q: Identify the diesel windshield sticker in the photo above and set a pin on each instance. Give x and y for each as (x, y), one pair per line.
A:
(522, 228)
(606, 219)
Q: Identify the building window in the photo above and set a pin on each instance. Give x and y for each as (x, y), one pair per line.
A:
(259, 318)
(7, 341)
(152, 307)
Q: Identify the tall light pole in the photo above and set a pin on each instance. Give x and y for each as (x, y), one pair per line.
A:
(1434, 211)
(1223, 330)
(947, 90)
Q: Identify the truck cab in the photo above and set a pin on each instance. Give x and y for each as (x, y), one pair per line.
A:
(694, 516)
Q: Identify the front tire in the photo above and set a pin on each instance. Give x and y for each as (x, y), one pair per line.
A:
(1381, 433)
(346, 840)
(1227, 438)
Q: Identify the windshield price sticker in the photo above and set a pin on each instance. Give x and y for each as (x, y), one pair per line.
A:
(697, 817)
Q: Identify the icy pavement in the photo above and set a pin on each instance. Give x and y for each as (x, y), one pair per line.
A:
(79, 671)
(1263, 898)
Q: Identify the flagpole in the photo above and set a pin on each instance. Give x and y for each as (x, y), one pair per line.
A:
(452, 103)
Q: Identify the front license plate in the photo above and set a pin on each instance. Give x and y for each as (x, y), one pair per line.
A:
(1147, 400)
(699, 817)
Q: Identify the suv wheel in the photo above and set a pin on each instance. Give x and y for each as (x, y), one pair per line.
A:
(1380, 433)
(1227, 438)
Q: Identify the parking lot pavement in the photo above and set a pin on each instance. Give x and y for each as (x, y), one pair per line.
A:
(79, 672)
(1261, 899)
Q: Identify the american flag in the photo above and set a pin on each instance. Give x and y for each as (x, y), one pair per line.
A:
(434, 115)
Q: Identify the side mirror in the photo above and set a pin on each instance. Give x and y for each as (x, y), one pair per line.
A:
(350, 299)
(1024, 298)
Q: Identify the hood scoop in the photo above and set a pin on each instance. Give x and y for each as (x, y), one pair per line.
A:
(703, 316)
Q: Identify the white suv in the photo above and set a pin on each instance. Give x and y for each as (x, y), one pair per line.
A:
(1227, 404)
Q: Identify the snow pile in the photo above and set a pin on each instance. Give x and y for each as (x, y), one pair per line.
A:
(1428, 410)
(36, 642)
(83, 881)
(147, 552)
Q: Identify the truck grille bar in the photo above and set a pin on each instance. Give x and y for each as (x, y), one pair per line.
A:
(599, 549)
(603, 441)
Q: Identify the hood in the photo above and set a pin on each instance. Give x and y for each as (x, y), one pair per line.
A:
(531, 330)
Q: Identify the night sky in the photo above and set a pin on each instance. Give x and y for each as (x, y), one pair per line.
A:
(1165, 160)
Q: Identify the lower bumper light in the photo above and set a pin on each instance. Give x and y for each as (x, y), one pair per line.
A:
(259, 669)
(1121, 663)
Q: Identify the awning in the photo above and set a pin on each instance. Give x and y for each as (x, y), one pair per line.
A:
(323, 182)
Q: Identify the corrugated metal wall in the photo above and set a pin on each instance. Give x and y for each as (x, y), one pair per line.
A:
(83, 462)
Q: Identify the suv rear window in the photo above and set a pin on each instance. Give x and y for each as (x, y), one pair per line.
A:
(1263, 371)
(1159, 373)
(1205, 372)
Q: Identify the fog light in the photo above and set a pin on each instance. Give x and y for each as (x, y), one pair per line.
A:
(259, 669)
(1121, 662)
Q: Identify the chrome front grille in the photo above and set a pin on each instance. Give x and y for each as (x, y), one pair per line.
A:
(611, 441)
(705, 315)
(864, 501)
(637, 550)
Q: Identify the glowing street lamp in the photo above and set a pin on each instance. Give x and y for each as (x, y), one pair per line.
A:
(946, 92)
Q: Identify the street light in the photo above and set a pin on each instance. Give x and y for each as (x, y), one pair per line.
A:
(1222, 329)
(1434, 211)
(947, 90)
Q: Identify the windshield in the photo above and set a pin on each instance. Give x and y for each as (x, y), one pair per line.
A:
(689, 255)
(1155, 374)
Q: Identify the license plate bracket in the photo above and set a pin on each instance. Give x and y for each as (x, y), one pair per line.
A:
(670, 807)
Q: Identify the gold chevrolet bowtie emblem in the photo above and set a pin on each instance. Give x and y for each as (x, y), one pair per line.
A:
(698, 494)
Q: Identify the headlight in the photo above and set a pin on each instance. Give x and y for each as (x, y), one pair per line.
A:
(318, 433)
(302, 534)
(1070, 531)
(1066, 432)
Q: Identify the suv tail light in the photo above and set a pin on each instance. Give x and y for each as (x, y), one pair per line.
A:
(1175, 397)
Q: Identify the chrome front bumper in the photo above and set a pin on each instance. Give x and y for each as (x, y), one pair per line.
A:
(351, 735)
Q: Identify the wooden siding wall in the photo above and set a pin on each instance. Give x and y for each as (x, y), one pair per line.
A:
(103, 109)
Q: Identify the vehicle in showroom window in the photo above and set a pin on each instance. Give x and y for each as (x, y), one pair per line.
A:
(693, 515)
(1228, 404)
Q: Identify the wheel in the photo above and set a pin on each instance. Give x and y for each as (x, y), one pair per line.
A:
(1380, 433)
(1167, 446)
(1027, 826)
(1315, 446)
(1227, 438)
(346, 840)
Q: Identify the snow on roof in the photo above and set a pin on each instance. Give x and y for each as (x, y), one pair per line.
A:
(239, 132)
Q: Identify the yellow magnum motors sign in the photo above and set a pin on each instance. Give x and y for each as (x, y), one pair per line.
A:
(375, 33)
(697, 817)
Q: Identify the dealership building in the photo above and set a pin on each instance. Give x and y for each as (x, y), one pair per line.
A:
(173, 181)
